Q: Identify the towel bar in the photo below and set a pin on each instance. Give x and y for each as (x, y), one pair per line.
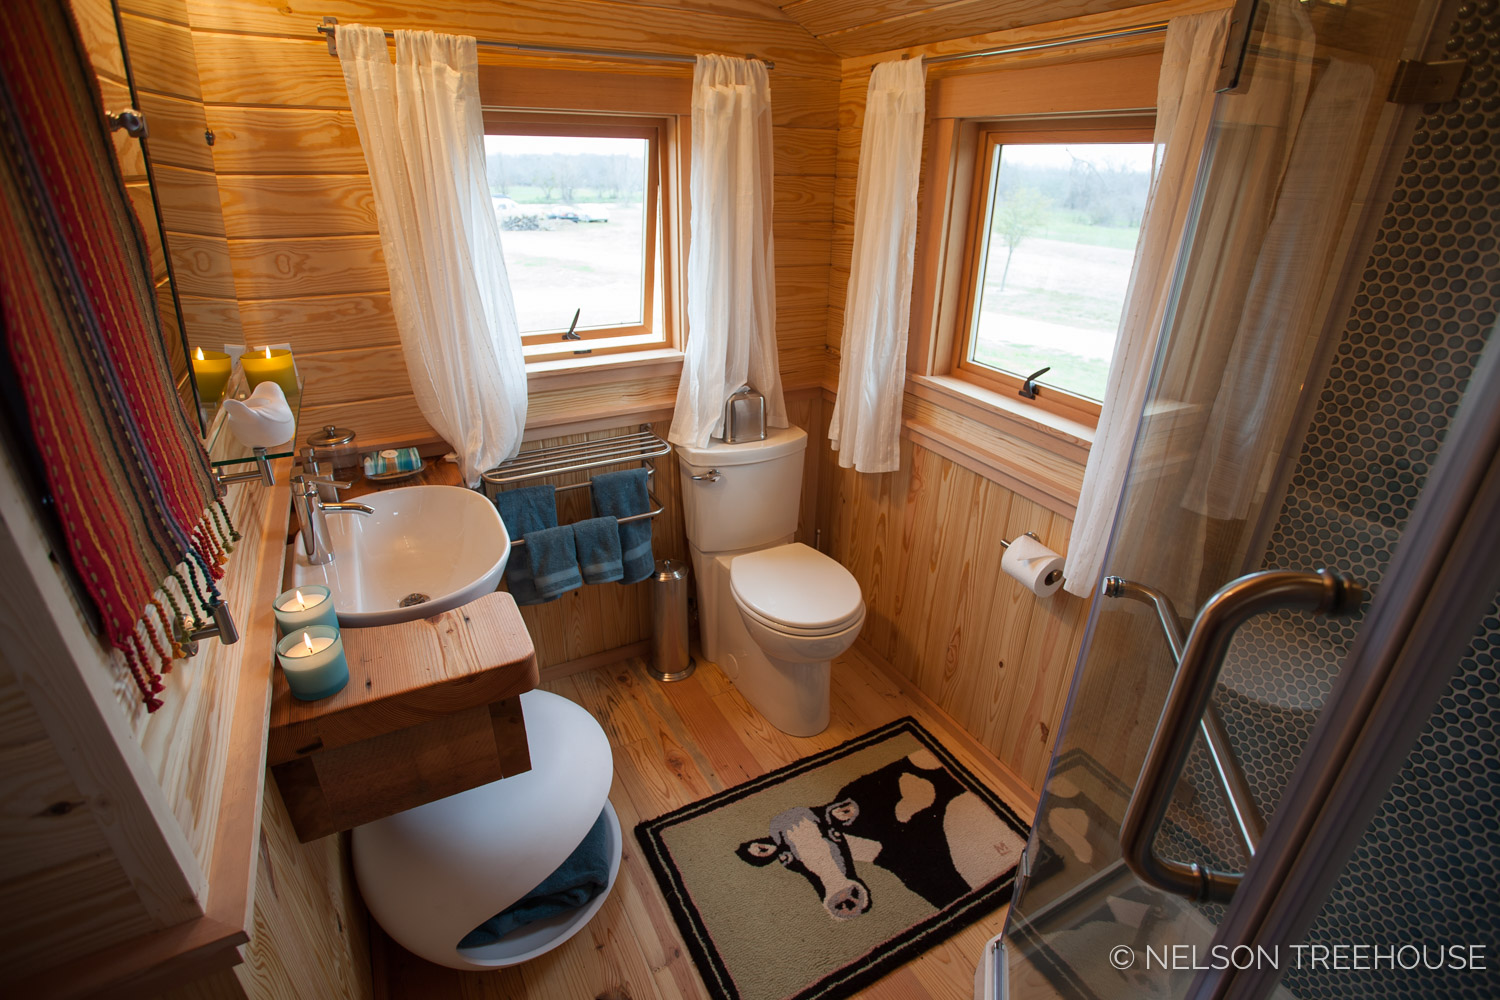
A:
(645, 515)
(641, 445)
(542, 463)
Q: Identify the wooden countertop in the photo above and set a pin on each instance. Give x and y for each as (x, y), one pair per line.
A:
(404, 675)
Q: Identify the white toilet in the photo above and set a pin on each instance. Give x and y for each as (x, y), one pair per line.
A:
(774, 612)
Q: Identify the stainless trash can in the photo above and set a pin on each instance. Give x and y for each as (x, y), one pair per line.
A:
(670, 659)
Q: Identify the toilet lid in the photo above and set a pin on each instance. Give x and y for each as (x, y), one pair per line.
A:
(795, 586)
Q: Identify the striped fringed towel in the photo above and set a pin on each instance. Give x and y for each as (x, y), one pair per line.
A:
(144, 527)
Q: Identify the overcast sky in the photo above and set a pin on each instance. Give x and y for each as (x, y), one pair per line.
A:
(1131, 155)
(516, 145)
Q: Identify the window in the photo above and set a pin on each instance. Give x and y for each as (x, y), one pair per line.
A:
(1052, 234)
(585, 229)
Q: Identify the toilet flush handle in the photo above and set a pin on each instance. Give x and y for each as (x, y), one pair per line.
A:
(711, 476)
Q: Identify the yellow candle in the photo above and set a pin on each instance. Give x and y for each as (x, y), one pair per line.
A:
(274, 364)
(211, 371)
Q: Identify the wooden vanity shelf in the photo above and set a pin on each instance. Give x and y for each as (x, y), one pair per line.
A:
(432, 708)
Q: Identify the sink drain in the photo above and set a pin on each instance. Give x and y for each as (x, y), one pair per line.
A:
(412, 600)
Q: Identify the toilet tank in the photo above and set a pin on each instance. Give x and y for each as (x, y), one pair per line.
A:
(757, 494)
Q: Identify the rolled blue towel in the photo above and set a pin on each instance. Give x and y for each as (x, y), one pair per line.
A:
(554, 561)
(618, 495)
(598, 544)
(576, 881)
(524, 510)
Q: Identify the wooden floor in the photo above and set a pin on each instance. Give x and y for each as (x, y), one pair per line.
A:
(673, 744)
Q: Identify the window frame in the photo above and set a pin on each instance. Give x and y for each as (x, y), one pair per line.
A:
(1068, 86)
(986, 137)
(659, 276)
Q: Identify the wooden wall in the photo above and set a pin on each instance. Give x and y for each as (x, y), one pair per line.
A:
(304, 254)
(856, 28)
(924, 543)
(63, 891)
(165, 70)
(310, 936)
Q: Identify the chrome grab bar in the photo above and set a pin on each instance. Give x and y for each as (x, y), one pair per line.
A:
(1237, 792)
(1323, 592)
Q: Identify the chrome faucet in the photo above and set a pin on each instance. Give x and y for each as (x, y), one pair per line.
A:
(745, 396)
(313, 513)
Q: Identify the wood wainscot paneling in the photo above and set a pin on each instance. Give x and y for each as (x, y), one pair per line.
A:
(924, 544)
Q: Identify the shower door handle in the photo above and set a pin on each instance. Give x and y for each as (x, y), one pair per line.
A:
(1323, 592)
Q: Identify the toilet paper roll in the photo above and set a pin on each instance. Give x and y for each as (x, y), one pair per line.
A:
(1037, 567)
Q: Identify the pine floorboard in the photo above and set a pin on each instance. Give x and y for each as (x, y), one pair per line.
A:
(673, 744)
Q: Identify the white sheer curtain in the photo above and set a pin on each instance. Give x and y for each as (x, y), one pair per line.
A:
(866, 426)
(731, 286)
(423, 138)
(1184, 110)
(1266, 365)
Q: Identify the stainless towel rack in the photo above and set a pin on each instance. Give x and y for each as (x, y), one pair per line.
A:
(639, 446)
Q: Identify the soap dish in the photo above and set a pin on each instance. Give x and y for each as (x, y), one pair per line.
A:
(398, 475)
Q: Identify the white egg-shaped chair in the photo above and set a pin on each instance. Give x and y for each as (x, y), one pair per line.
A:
(432, 874)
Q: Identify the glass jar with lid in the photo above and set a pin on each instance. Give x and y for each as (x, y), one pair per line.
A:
(335, 452)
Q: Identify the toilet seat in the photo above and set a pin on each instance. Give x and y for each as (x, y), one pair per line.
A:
(796, 590)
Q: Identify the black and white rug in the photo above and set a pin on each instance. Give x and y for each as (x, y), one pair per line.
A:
(817, 879)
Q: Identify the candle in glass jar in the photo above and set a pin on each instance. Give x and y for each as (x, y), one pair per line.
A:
(307, 604)
(211, 371)
(272, 364)
(313, 661)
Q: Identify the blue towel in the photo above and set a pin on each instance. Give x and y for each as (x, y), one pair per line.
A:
(524, 510)
(598, 543)
(577, 880)
(554, 561)
(620, 494)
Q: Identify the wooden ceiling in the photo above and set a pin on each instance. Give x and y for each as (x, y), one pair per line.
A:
(860, 27)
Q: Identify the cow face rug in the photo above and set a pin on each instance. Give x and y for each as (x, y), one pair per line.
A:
(817, 879)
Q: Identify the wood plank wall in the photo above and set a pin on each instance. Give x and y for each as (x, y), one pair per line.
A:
(924, 544)
(63, 892)
(924, 541)
(298, 209)
(310, 929)
(165, 69)
(857, 27)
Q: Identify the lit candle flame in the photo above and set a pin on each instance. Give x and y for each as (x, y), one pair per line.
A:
(301, 601)
(199, 354)
(268, 354)
(307, 641)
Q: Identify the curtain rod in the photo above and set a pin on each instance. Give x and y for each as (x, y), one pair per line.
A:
(1102, 36)
(329, 29)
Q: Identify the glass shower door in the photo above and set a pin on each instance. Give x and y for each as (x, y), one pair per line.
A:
(1277, 439)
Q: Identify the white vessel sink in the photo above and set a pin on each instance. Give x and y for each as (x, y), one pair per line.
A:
(425, 550)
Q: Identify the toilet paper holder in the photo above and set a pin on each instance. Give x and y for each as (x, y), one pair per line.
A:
(1029, 534)
(1051, 577)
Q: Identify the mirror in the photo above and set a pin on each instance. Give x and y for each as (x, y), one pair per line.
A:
(143, 55)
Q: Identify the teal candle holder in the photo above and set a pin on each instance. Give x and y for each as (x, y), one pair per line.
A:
(312, 659)
(314, 606)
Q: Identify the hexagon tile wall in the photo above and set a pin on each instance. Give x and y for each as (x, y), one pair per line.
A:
(1426, 870)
